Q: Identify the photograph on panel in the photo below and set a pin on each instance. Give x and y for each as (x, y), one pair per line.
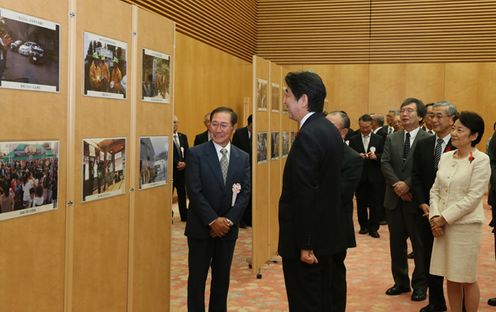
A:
(275, 97)
(29, 52)
(274, 145)
(156, 77)
(28, 177)
(261, 147)
(105, 72)
(262, 93)
(104, 167)
(285, 143)
(154, 153)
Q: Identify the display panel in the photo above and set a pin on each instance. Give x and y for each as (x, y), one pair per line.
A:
(261, 147)
(262, 86)
(154, 154)
(274, 145)
(155, 83)
(275, 97)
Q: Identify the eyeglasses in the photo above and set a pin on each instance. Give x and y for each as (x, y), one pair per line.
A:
(407, 110)
(439, 116)
(222, 125)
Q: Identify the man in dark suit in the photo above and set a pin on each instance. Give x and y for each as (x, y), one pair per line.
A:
(351, 172)
(205, 135)
(242, 139)
(311, 222)
(378, 126)
(218, 184)
(369, 193)
(425, 161)
(427, 126)
(491, 200)
(402, 215)
(181, 146)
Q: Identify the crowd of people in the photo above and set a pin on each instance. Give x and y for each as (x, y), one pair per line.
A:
(26, 184)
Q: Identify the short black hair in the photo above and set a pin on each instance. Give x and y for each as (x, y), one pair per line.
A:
(421, 110)
(224, 109)
(308, 83)
(474, 122)
(250, 119)
(365, 117)
(344, 118)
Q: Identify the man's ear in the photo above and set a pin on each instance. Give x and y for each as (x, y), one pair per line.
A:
(304, 99)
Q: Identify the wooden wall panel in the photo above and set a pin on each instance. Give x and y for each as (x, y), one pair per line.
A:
(386, 87)
(208, 78)
(101, 227)
(32, 247)
(425, 81)
(151, 208)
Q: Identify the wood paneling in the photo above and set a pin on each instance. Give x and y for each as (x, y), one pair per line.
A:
(227, 25)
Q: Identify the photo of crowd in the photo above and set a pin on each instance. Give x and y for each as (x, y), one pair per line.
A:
(156, 77)
(104, 167)
(285, 143)
(105, 72)
(274, 145)
(275, 97)
(28, 177)
(262, 94)
(154, 153)
(29, 52)
(261, 147)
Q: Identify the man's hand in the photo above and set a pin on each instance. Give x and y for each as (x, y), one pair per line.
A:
(180, 165)
(307, 256)
(219, 227)
(371, 155)
(400, 188)
(407, 197)
(363, 155)
(425, 209)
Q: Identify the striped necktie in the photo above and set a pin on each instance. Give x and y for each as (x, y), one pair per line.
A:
(224, 163)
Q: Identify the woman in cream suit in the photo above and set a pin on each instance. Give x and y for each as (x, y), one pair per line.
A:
(456, 213)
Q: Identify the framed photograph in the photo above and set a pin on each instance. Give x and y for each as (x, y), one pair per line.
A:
(261, 147)
(103, 176)
(28, 177)
(154, 154)
(105, 71)
(262, 94)
(275, 97)
(155, 83)
(285, 143)
(274, 145)
(29, 52)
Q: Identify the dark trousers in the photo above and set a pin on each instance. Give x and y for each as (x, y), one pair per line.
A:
(434, 282)
(204, 254)
(179, 185)
(403, 222)
(338, 283)
(368, 199)
(308, 286)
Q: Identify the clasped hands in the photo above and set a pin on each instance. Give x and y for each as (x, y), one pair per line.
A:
(219, 227)
(369, 155)
(308, 257)
(402, 190)
(437, 225)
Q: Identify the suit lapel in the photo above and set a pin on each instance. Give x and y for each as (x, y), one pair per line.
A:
(214, 164)
(233, 161)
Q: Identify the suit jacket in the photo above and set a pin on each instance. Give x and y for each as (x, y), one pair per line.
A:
(310, 216)
(209, 198)
(423, 171)
(201, 138)
(351, 172)
(383, 132)
(371, 167)
(178, 155)
(459, 187)
(394, 168)
(242, 140)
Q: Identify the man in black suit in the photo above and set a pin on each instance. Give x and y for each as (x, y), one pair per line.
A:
(181, 146)
(491, 200)
(402, 215)
(427, 127)
(378, 126)
(311, 222)
(242, 139)
(425, 161)
(369, 193)
(351, 172)
(205, 135)
(218, 184)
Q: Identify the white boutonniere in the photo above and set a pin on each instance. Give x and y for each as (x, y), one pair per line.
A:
(236, 188)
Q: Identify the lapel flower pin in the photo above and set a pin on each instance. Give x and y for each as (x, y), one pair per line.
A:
(470, 157)
(236, 188)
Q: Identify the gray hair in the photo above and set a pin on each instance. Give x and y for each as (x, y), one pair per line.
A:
(451, 109)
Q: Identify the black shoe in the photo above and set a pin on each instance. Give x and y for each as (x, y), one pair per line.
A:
(419, 294)
(363, 231)
(242, 225)
(383, 222)
(433, 308)
(397, 290)
(492, 302)
(374, 234)
(410, 255)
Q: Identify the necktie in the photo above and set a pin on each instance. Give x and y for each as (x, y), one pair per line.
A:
(365, 142)
(437, 152)
(224, 164)
(176, 140)
(406, 147)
